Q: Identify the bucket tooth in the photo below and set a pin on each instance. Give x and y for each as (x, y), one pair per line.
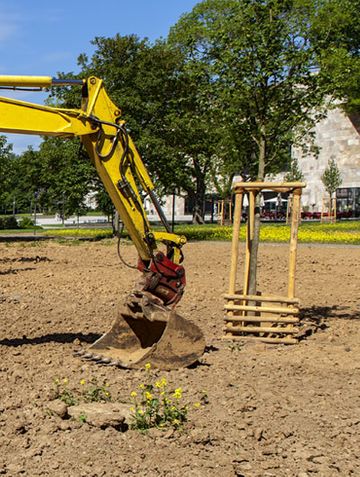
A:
(79, 352)
(105, 360)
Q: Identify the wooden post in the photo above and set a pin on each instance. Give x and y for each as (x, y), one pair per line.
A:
(251, 220)
(247, 259)
(293, 241)
(235, 242)
(235, 249)
(333, 206)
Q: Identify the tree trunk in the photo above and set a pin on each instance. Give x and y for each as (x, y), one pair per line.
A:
(198, 216)
(115, 223)
(254, 245)
(199, 201)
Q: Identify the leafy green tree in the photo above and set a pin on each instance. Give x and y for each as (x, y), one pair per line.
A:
(263, 59)
(331, 178)
(163, 106)
(294, 173)
(30, 184)
(7, 159)
(66, 175)
(336, 32)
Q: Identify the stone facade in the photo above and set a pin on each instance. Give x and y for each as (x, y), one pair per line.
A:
(337, 137)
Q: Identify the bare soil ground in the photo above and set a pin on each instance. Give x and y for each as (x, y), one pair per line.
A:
(272, 410)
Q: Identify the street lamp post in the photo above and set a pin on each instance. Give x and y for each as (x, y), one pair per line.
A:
(36, 195)
(173, 211)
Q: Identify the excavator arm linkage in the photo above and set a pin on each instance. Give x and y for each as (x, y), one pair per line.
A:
(147, 328)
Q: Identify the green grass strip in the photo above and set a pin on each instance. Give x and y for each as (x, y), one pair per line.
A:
(339, 233)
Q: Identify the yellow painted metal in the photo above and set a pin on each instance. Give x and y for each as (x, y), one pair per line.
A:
(98, 116)
(179, 240)
(26, 81)
(28, 118)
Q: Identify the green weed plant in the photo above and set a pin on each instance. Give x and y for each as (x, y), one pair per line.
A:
(90, 391)
(155, 406)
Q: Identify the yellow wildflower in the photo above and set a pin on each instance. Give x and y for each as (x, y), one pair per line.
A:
(148, 396)
(133, 394)
(141, 386)
(161, 384)
(177, 393)
(82, 382)
(197, 405)
(65, 381)
(140, 412)
(132, 409)
(148, 366)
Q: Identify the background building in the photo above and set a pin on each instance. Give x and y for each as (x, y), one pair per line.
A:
(337, 137)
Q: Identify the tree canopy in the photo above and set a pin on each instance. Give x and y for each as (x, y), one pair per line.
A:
(331, 177)
(233, 87)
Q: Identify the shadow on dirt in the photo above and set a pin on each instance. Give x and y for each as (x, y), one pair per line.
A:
(14, 271)
(63, 338)
(318, 315)
(35, 259)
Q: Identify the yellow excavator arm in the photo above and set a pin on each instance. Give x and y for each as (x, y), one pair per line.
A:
(101, 130)
(104, 136)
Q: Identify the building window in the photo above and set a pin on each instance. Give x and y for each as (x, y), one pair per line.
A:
(348, 200)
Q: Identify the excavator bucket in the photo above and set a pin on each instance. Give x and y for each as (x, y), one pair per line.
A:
(146, 332)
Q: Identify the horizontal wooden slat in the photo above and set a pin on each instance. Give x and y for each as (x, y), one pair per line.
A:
(263, 309)
(259, 338)
(275, 186)
(259, 319)
(278, 299)
(262, 329)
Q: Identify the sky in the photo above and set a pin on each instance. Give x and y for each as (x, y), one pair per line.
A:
(39, 37)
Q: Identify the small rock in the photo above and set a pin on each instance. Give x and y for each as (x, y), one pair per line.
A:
(199, 436)
(59, 408)
(65, 426)
(168, 434)
(315, 458)
(258, 434)
(15, 298)
(102, 415)
(155, 433)
(20, 427)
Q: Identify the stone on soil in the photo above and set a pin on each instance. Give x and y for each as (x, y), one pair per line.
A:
(102, 415)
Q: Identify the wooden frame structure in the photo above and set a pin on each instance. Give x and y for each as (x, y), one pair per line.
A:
(269, 319)
(225, 213)
(328, 210)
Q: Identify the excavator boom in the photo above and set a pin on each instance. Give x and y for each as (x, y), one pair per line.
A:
(147, 327)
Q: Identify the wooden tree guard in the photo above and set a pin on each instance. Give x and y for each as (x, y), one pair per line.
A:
(269, 319)
(328, 210)
(224, 212)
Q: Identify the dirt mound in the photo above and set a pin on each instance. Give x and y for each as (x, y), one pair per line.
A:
(269, 410)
